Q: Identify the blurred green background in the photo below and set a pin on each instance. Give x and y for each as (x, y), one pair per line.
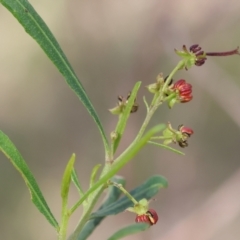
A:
(111, 45)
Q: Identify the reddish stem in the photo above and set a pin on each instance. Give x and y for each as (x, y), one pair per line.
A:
(228, 53)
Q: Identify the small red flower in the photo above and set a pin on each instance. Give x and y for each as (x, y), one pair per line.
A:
(185, 130)
(150, 217)
(185, 134)
(184, 90)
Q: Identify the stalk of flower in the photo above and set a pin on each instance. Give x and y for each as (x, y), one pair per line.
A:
(141, 208)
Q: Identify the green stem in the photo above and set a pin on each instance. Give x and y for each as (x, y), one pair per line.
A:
(87, 211)
(179, 66)
(156, 96)
(109, 169)
(64, 221)
(125, 192)
(160, 138)
(157, 101)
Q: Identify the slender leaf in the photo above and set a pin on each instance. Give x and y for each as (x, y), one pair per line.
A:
(67, 177)
(11, 152)
(129, 230)
(76, 182)
(113, 195)
(166, 147)
(146, 103)
(124, 116)
(147, 190)
(64, 194)
(38, 30)
(94, 173)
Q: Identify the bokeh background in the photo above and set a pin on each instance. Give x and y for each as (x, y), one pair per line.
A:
(111, 45)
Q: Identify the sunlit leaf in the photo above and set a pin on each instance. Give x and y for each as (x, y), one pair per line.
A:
(38, 30)
(67, 177)
(11, 152)
(76, 182)
(94, 173)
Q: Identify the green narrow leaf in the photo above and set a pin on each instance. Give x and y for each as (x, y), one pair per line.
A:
(67, 177)
(147, 190)
(124, 116)
(129, 230)
(166, 147)
(94, 173)
(146, 103)
(38, 30)
(76, 182)
(112, 196)
(120, 162)
(11, 152)
(66, 180)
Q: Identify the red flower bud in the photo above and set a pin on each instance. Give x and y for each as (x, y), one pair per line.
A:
(184, 90)
(150, 217)
(185, 134)
(185, 130)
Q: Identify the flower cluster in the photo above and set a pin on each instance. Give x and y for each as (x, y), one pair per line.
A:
(166, 90)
